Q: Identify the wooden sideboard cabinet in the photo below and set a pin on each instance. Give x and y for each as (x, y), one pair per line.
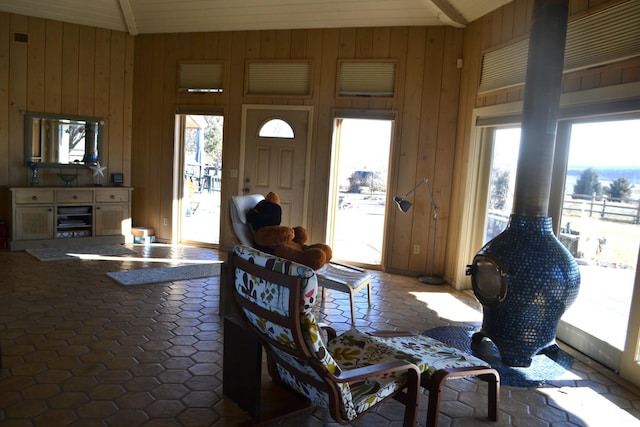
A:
(60, 216)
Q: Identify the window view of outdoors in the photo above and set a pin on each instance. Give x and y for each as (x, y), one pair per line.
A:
(502, 180)
(600, 224)
(600, 218)
(202, 177)
(363, 157)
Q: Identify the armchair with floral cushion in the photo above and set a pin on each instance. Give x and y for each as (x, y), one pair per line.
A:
(348, 374)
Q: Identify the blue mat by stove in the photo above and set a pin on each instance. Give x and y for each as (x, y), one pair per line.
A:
(544, 368)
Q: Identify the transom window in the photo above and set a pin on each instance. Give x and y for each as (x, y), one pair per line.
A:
(276, 128)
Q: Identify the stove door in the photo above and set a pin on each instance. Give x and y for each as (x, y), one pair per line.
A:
(488, 278)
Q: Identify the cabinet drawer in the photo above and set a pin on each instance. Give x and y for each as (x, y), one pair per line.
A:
(79, 196)
(33, 196)
(112, 196)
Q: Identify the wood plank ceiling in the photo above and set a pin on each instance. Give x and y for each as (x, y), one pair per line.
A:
(178, 16)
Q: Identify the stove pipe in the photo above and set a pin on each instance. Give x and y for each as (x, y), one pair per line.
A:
(525, 278)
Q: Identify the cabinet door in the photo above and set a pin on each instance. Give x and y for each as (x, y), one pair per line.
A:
(112, 219)
(34, 223)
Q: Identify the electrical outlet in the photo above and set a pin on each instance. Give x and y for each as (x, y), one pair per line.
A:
(165, 221)
(416, 249)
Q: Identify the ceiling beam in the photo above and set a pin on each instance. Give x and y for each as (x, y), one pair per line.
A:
(446, 13)
(129, 18)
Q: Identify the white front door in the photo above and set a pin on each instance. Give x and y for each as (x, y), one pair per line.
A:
(276, 148)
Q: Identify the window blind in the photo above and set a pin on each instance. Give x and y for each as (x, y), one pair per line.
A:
(366, 78)
(279, 78)
(602, 38)
(200, 77)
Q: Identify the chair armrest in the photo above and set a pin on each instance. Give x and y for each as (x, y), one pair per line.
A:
(330, 331)
(376, 370)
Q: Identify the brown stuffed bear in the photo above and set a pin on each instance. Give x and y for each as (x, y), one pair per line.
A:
(282, 241)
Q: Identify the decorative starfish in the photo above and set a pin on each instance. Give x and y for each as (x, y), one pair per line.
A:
(97, 169)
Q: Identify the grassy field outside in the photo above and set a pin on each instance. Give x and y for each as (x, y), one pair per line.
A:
(606, 242)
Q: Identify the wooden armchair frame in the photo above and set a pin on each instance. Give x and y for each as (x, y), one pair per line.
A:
(329, 382)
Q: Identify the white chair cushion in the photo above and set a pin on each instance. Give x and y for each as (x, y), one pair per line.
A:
(242, 204)
(239, 207)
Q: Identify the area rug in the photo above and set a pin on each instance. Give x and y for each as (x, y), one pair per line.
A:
(73, 252)
(165, 274)
(543, 369)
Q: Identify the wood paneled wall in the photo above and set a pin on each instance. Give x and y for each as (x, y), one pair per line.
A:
(68, 69)
(426, 108)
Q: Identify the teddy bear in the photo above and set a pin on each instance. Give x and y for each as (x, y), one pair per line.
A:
(282, 241)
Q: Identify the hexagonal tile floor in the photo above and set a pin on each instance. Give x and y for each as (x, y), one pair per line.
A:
(80, 350)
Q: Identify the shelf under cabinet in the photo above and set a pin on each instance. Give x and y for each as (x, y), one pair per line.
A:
(74, 221)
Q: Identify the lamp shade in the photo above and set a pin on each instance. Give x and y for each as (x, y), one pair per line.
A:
(403, 204)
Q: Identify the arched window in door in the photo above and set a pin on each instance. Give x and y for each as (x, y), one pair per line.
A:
(276, 128)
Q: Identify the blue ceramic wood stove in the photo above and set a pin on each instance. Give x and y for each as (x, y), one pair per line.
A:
(525, 278)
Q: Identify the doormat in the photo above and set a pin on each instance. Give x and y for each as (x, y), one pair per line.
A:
(75, 252)
(544, 368)
(165, 274)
